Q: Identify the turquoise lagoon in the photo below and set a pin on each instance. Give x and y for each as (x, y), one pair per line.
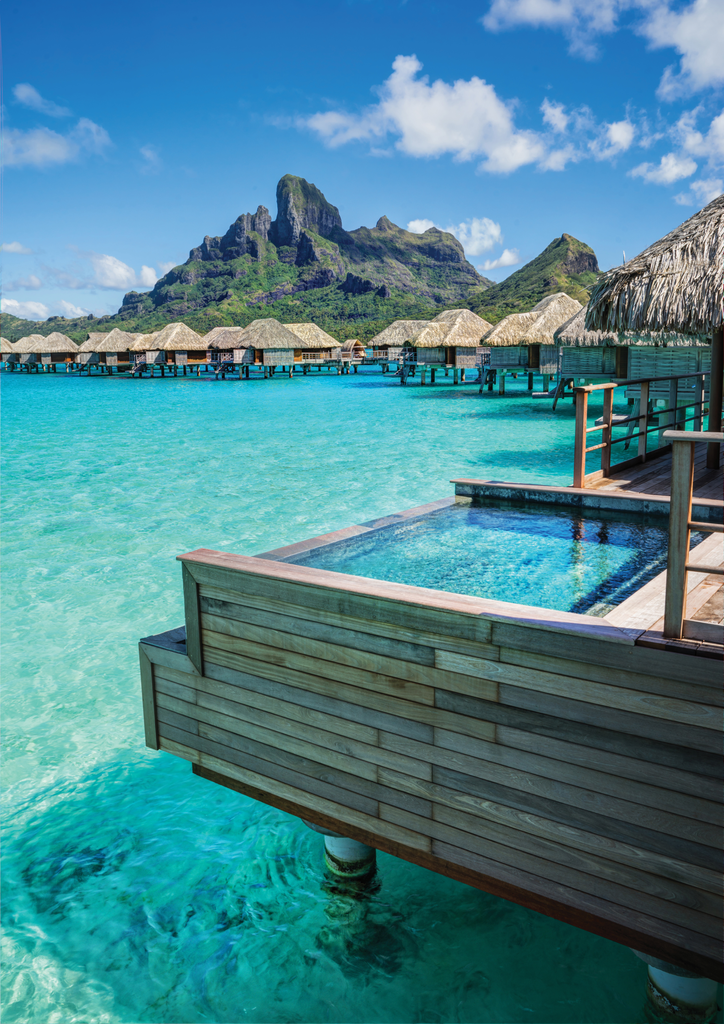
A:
(135, 892)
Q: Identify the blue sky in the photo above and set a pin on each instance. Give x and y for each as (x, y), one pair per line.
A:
(131, 133)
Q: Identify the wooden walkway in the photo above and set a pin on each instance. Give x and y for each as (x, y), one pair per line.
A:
(654, 477)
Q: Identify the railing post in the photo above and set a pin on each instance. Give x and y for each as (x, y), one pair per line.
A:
(682, 480)
(579, 455)
(699, 391)
(715, 395)
(606, 432)
(643, 420)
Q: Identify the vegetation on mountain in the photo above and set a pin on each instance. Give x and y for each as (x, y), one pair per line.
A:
(304, 266)
(566, 265)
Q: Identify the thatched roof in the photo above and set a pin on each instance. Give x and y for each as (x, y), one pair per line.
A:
(55, 342)
(268, 333)
(144, 342)
(179, 338)
(312, 336)
(466, 327)
(5, 347)
(108, 341)
(677, 284)
(352, 345)
(573, 334)
(536, 327)
(28, 343)
(226, 338)
(399, 332)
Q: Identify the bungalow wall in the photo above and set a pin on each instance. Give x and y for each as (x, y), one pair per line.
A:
(534, 358)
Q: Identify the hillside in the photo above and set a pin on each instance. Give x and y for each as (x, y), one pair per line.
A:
(566, 265)
(304, 265)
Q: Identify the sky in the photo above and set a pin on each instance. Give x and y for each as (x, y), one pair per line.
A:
(131, 133)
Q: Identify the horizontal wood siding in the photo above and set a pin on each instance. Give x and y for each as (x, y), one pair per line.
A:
(555, 764)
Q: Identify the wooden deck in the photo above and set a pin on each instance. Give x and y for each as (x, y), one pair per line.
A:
(545, 757)
(654, 477)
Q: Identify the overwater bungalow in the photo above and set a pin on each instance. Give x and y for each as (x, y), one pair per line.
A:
(8, 353)
(317, 346)
(224, 347)
(450, 341)
(146, 352)
(108, 350)
(524, 342)
(181, 346)
(40, 350)
(353, 350)
(270, 345)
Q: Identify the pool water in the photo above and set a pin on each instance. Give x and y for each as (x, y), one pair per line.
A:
(136, 892)
(569, 559)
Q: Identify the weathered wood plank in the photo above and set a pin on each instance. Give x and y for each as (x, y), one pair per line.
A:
(321, 631)
(149, 708)
(514, 777)
(239, 717)
(436, 611)
(169, 659)
(174, 689)
(636, 702)
(567, 834)
(647, 942)
(193, 618)
(686, 850)
(313, 656)
(631, 659)
(367, 679)
(167, 716)
(707, 766)
(688, 690)
(285, 772)
(688, 736)
(240, 702)
(521, 757)
(307, 802)
(407, 714)
(271, 610)
(682, 938)
(684, 785)
(590, 874)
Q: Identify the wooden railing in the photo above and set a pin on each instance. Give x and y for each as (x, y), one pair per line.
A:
(674, 413)
(676, 625)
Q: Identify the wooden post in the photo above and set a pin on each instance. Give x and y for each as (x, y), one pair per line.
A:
(423, 372)
(530, 381)
(501, 382)
(432, 374)
(606, 432)
(699, 397)
(579, 453)
(643, 420)
(715, 396)
(682, 479)
(456, 375)
(546, 382)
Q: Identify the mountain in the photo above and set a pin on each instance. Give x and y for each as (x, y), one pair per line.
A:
(304, 265)
(566, 265)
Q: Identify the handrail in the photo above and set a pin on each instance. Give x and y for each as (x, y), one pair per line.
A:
(681, 525)
(673, 419)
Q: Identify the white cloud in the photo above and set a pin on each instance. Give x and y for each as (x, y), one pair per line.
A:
(466, 118)
(42, 147)
(696, 32)
(580, 20)
(672, 167)
(29, 283)
(476, 235)
(152, 158)
(29, 96)
(614, 138)
(702, 192)
(558, 158)
(25, 310)
(555, 115)
(418, 226)
(165, 267)
(710, 145)
(72, 311)
(508, 258)
(113, 273)
(16, 247)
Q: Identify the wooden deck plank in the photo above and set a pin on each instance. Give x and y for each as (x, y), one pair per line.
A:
(567, 833)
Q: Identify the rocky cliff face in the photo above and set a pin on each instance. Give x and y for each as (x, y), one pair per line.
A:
(260, 260)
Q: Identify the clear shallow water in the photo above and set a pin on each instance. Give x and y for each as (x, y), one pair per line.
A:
(575, 561)
(135, 892)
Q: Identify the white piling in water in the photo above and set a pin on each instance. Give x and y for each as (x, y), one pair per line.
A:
(677, 994)
(346, 858)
